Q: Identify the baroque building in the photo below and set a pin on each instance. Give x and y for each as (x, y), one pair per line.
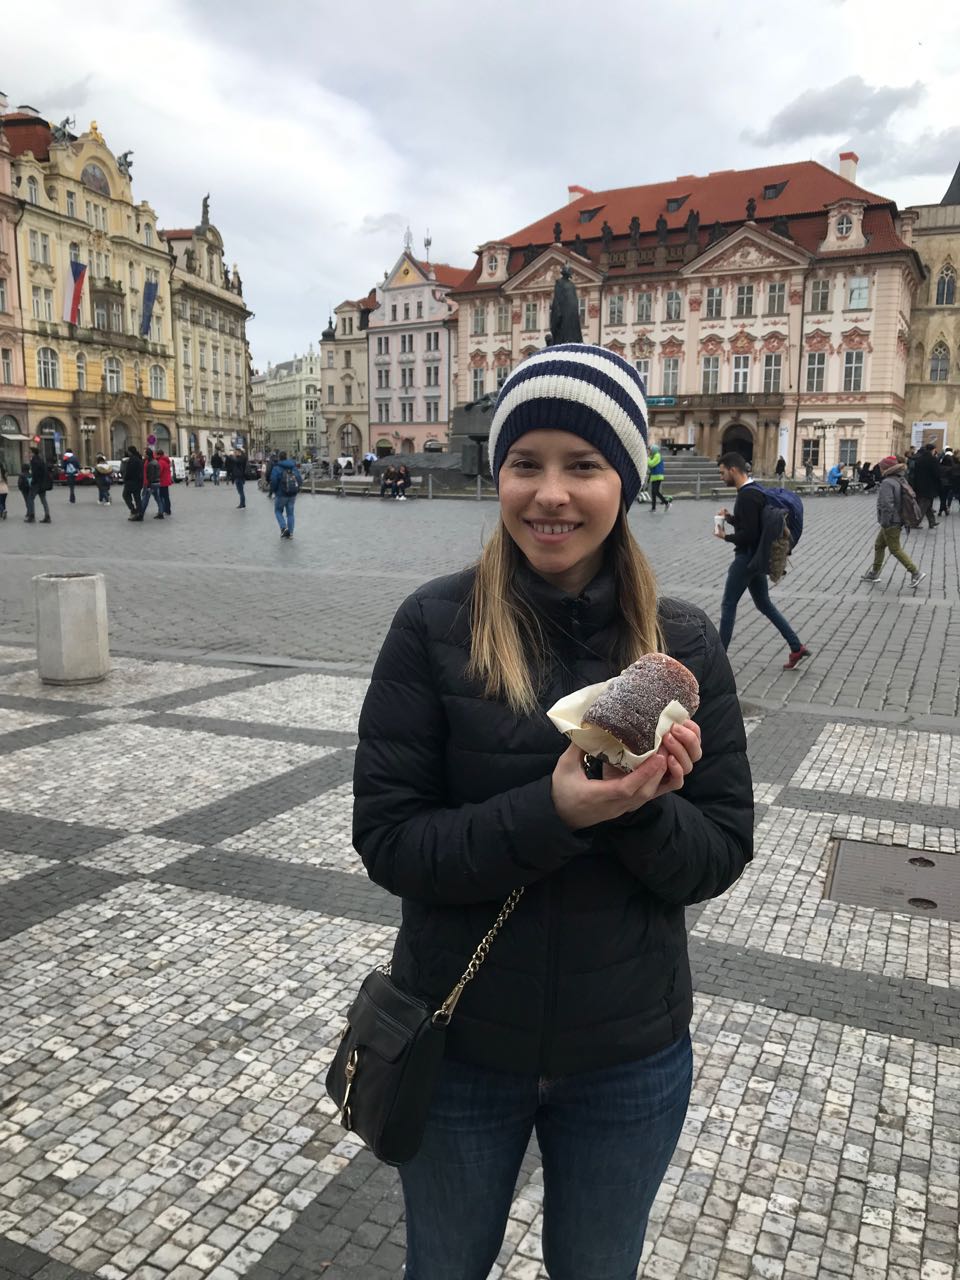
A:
(291, 394)
(344, 403)
(94, 278)
(13, 387)
(411, 356)
(768, 310)
(933, 375)
(214, 410)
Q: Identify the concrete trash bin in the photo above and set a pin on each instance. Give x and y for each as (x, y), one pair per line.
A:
(72, 640)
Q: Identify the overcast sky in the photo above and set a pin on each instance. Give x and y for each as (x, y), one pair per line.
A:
(323, 130)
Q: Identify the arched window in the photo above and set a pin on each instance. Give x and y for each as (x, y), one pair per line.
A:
(148, 233)
(33, 190)
(158, 382)
(946, 287)
(81, 372)
(74, 251)
(940, 363)
(48, 367)
(113, 373)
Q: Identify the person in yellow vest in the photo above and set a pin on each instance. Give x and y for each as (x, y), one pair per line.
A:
(656, 480)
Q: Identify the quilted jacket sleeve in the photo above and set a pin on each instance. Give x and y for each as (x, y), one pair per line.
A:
(694, 843)
(412, 844)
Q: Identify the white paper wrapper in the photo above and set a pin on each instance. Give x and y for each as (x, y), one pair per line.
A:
(568, 713)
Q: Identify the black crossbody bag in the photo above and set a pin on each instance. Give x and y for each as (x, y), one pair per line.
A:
(385, 1069)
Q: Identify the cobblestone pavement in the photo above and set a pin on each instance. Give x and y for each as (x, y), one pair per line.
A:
(183, 921)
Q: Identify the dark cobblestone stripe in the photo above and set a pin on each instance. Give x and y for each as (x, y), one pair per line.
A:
(254, 804)
(873, 1002)
(245, 729)
(48, 706)
(931, 815)
(308, 888)
(38, 734)
(245, 679)
(50, 837)
(780, 743)
(44, 894)
(20, 1262)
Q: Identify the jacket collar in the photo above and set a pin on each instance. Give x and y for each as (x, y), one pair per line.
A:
(594, 609)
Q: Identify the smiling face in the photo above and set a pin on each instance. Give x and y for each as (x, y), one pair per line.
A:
(559, 500)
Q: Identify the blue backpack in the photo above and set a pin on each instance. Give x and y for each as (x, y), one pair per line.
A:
(792, 504)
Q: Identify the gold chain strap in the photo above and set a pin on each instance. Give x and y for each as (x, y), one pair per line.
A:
(445, 1012)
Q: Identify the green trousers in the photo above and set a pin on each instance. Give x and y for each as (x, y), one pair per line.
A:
(888, 539)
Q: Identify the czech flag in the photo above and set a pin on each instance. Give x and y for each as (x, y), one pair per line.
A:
(73, 292)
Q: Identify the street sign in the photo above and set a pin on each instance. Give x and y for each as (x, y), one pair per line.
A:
(661, 402)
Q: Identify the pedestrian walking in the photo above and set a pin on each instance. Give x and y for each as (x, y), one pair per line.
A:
(103, 477)
(4, 490)
(894, 503)
(747, 521)
(131, 474)
(285, 483)
(576, 1024)
(23, 484)
(780, 469)
(240, 476)
(199, 466)
(657, 472)
(946, 482)
(808, 472)
(151, 486)
(166, 482)
(926, 482)
(216, 464)
(71, 470)
(40, 485)
(368, 460)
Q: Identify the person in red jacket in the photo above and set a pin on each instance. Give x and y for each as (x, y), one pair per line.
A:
(166, 480)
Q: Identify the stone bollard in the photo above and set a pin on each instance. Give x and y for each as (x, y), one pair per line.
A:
(72, 640)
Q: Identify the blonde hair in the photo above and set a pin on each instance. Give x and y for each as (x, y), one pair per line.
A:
(507, 647)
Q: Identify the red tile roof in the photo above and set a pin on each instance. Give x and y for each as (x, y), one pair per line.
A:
(177, 233)
(27, 132)
(444, 273)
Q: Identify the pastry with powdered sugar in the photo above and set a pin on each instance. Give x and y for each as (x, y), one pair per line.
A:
(629, 708)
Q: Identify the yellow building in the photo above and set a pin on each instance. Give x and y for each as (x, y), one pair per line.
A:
(100, 375)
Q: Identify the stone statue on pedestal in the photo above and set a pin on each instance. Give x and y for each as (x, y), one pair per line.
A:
(557, 233)
(634, 232)
(661, 230)
(564, 311)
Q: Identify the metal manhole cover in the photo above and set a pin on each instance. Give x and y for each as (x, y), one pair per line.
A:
(894, 878)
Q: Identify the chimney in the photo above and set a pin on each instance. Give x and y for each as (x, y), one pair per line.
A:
(574, 193)
(28, 111)
(4, 101)
(848, 165)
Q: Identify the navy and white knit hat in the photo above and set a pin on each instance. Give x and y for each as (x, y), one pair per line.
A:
(589, 391)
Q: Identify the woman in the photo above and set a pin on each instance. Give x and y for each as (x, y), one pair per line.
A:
(166, 482)
(781, 469)
(402, 482)
(576, 1026)
(103, 475)
(4, 490)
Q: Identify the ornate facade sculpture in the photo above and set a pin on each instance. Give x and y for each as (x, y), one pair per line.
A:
(580, 246)
(693, 226)
(205, 211)
(661, 230)
(61, 132)
(125, 163)
(557, 233)
(606, 235)
(751, 209)
(565, 311)
(634, 232)
(529, 253)
(781, 227)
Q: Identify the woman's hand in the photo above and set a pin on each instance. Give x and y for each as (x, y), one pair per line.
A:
(583, 802)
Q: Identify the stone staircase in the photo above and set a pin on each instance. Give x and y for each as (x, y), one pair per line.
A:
(690, 474)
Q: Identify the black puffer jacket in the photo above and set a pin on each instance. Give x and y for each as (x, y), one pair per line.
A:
(453, 811)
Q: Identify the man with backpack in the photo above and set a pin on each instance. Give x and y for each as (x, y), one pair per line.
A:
(897, 506)
(285, 484)
(71, 469)
(743, 574)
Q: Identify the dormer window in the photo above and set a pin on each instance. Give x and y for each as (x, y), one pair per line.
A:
(676, 202)
(588, 215)
(844, 225)
(773, 189)
(492, 264)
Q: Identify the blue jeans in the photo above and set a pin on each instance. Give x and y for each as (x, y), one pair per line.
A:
(605, 1137)
(240, 481)
(283, 509)
(740, 580)
(146, 493)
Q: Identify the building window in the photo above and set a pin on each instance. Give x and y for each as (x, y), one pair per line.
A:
(203, 355)
(113, 374)
(148, 233)
(776, 299)
(643, 368)
(503, 317)
(946, 287)
(503, 372)
(186, 353)
(203, 399)
(673, 305)
(479, 383)
(615, 311)
(433, 340)
(582, 312)
(714, 310)
(772, 363)
(71, 204)
(406, 311)
(858, 292)
(158, 382)
(74, 252)
(116, 317)
(348, 395)
(433, 411)
(671, 375)
(3, 294)
(531, 315)
(331, 392)
(393, 311)
(847, 455)
(853, 371)
(844, 225)
(216, 403)
(820, 295)
(33, 240)
(816, 368)
(741, 374)
(215, 358)
(406, 410)
(33, 190)
(99, 315)
(744, 299)
(419, 310)
(347, 361)
(433, 375)
(6, 364)
(330, 357)
(810, 452)
(42, 303)
(940, 363)
(48, 368)
(479, 319)
(710, 375)
(644, 308)
(81, 372)
(383, 411)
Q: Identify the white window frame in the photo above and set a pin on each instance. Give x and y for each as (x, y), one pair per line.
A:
(820, 295)
(671, 375)
(478, 382)
(673, 303)
(479, 317)
(642, 367)
(3, 293)
(6, 364)
(858, 293)
(744, 305)
(48, 368)
(644, 307)
(741, 375)
(710, 375)
(776, 298)
(71, 204)
(503, 317)
(158, 382)
(772, 372)
(853, 369)
(713, 309)
(531, 317)
(816, 372)
(615, 309)
(113, 373)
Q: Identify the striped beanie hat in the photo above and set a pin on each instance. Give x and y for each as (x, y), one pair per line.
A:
(589, 391)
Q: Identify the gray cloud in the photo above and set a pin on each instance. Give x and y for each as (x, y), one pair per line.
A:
(850, 104)
(374, 224)
(884, 156)
(66, 97)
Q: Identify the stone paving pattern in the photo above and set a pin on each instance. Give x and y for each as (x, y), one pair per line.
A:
(183, 920)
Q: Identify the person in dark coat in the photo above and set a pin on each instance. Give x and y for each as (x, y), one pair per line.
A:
(239, 467)
(781, 468)
(576, 1025)
(926, 482)
(946, 482)
(39, 484)
(132, 476)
